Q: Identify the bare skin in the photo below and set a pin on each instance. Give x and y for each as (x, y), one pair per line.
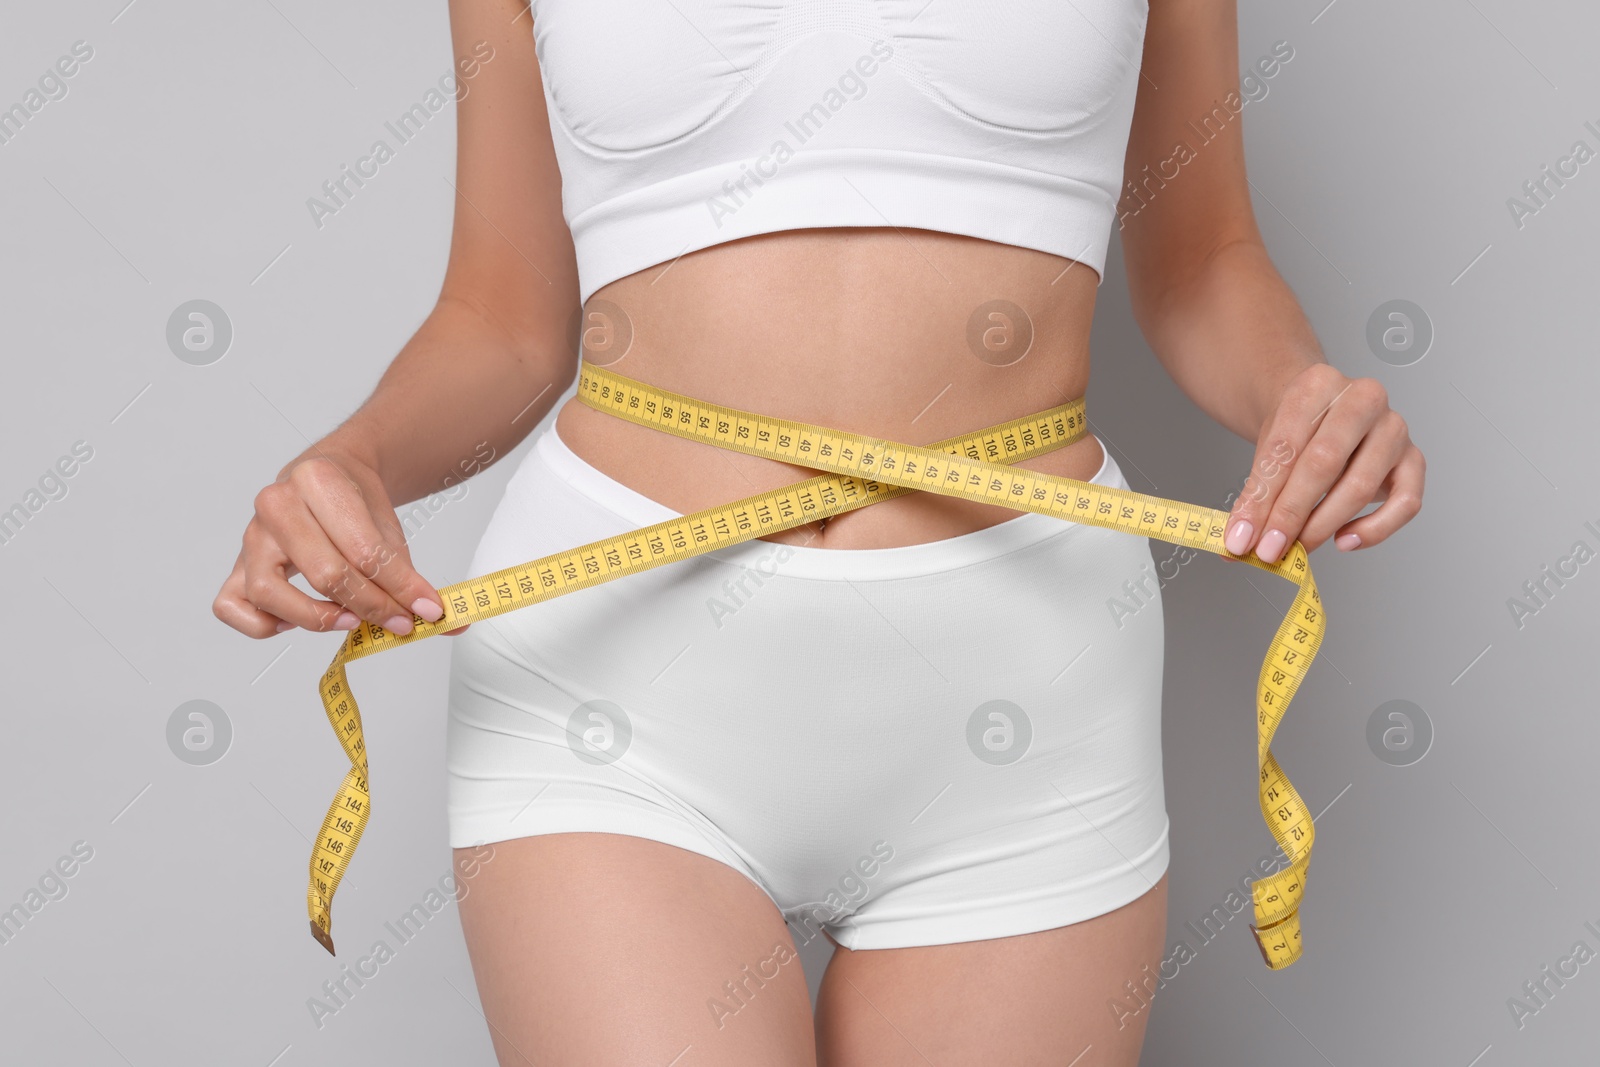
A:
(901, 369)
(565, 928)
(599, 948)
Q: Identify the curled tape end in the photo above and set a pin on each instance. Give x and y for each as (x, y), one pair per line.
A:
(323, 938)
(1277, 964)
(1261, 946)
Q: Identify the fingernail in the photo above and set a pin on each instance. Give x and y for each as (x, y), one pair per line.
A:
(427, 609)
(1238, 538)
(400, 624)
(1271, 546)
(282, 626)
(1348, 541)
(347, 620)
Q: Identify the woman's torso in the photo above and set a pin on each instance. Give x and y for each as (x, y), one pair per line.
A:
(823, 159)
(910, 335)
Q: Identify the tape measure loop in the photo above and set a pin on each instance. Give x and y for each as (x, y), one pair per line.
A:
(862, 469)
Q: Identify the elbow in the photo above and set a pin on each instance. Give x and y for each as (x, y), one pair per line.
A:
(1162, 285)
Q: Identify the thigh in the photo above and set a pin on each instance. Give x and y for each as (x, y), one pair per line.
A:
(1035, 999)
(598, 948)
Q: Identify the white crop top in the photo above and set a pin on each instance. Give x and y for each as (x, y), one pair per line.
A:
(681, 124)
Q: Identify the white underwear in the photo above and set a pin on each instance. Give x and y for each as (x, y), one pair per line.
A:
(927, 744)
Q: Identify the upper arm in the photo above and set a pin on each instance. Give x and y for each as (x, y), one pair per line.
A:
(511, 254)
(1188, 195)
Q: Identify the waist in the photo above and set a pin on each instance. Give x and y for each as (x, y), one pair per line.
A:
(825, 327)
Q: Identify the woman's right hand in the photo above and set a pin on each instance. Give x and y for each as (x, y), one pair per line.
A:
(328, 517)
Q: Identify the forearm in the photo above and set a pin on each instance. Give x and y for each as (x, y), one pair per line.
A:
(460, 394)
(1231, 336)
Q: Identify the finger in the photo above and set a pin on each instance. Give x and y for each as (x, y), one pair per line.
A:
(267, 586)
(234, 608)
(376, 547)
(1282, 440)
(1403, 499)
(1361, 483)
(1320, 465)
(285, 516)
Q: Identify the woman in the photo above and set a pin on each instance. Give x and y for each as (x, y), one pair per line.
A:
(915, 727)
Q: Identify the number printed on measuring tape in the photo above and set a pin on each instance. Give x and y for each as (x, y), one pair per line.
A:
(861, 470)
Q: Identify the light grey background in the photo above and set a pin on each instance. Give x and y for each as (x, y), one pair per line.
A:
(177, 167)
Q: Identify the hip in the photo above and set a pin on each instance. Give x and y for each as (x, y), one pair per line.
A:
(1030, 589)
(1010, 640)
(1009, 646)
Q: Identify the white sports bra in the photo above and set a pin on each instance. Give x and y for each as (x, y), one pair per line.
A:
(681, 124)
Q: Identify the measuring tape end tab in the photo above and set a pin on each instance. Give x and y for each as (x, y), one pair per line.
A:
(1254, 933)
(1291, 952)
(323, 938)
(1266, 957)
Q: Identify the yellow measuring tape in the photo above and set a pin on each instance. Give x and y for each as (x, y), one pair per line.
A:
(863, 470)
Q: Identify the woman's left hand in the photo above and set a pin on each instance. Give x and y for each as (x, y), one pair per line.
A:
(1332, 447)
